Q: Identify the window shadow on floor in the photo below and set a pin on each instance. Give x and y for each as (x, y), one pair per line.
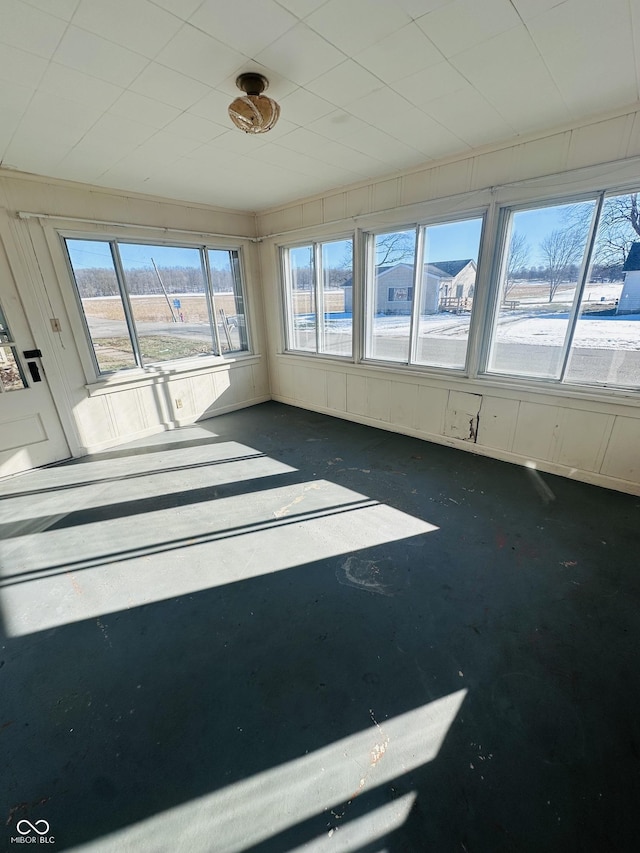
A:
(138, 713)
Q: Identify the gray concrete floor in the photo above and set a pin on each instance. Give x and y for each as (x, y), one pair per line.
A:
(278, 631)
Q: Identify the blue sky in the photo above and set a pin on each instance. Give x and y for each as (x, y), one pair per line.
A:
(92, 253)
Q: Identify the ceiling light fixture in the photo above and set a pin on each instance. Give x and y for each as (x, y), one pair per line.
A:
(253, 112)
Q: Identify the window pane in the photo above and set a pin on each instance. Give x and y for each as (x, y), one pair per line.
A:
(11, 377)
(390, 296)
(301, 297)
(448, 285)
(5, 335)
(228, 299)
(97, 285)
(544, 253)
(169, 301)
(606, 343)
(337, 288)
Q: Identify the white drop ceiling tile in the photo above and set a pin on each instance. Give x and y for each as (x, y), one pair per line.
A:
(169, 86)
(497, 57)
(435, 82)
(182, 9)
(418, 8)
(200, 56)
(19, 66)
(601, 95)
(379, 145)
(214, 105)
(286, 159)
(135, 24)
(404, 52)
(577, 21)
(532, 8)
(162, 147)
(114, 137)
(60, 8)
(76, 86)
(464, 23)
(300, 55)
(235, 142)
(344, 83)
(425, 134)
(338, 124)
(333, 153)
(302, 107)
(195, 127)
(33, 157)
(98, 57)
(137, 107)
(470, 117)
(15, 98)
(381, 104)
(244, 25)
(302, 8)
(31, 29)
(353, 25)
(65, 121)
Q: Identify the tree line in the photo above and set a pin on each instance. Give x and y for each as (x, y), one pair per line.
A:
(143, 281)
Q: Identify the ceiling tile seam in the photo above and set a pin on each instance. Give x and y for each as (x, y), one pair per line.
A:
(33, 94)
(53, 14)
(120, 45)
(392, 139)
(291, 12)
(148, 139)
(250, 58)
(31, 52)
(542, 57)
(170, 11)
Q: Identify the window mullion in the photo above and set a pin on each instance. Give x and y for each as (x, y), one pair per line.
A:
(577, 300)
(318, 290)
(126, 302)
(211, 311)
(418, 276)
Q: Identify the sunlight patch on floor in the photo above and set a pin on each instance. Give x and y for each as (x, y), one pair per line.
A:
(326, 781)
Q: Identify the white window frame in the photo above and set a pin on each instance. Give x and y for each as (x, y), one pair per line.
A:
(315, 244)
(88, 356)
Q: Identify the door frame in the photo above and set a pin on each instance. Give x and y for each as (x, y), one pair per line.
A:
(28, 257)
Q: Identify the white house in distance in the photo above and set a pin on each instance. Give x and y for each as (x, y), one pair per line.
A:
(446, 285)
(630, 297)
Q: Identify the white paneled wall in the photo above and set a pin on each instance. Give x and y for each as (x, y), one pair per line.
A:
(591, 437)
(96, 415)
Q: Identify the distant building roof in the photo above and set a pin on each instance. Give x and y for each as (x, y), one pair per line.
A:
(452, 268)
(633, 258)
(441, 269)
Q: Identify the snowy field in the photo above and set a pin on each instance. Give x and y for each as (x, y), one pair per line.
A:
(616, 332)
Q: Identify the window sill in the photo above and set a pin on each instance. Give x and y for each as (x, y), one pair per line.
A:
(161, 373)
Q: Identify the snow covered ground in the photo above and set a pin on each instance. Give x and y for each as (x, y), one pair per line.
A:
(616, 332)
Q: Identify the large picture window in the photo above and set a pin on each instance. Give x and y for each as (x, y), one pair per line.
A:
(568, 305)
(420, 314)
(145, 304)
(319, 297)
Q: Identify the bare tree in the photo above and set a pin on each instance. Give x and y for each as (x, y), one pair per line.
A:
(619, 228)
(561, 249)
(517, 260)
(391, 249)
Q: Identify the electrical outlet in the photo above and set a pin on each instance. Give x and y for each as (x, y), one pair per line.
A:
(178, 403)
(55, 324)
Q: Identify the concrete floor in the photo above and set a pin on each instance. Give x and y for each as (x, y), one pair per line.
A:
(278, 631)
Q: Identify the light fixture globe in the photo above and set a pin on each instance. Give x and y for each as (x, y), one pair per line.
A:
(254, 112)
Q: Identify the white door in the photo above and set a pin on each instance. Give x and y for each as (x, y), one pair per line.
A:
(30, 429)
